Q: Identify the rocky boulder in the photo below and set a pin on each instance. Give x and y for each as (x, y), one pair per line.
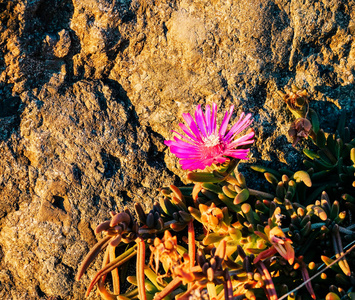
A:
(89, 91)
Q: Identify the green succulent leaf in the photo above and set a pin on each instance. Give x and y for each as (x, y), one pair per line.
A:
(341, 124)
(314, 120)
(263, 169)
(321, 139)
(203, 177)
(310, 154)
(303, 176)
(352, 155)
(212, 187)
(242, 196)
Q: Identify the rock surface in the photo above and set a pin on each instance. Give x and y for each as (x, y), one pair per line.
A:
(90, 89)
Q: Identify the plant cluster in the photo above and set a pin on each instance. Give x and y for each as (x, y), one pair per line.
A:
(219, 239)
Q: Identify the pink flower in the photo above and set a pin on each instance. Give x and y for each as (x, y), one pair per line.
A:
(203, 144)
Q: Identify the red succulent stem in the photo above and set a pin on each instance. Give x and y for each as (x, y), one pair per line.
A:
(105, 261)
(120, 260)
(140, 268)
(114, 272)
(192, 246)
(100, 245)
(104, 293)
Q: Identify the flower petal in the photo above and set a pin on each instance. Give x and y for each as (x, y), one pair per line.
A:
(191, 123)
(200, 120)
(227, 116)
(201, 145)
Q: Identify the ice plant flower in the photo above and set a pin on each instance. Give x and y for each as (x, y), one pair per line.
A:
(204, 144)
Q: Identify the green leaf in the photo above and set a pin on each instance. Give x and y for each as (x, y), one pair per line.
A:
(310, 154)
(248, 213)
(287, 172)
(263, 169)
(170, 207)
(320, 175)
(331, 143)
(314, 120)
(153, 278)
(334, 210)
(341, 124)
(324, 157)
(213, 238)
(338, 147)
(271, 178)
(319, 212)
(203, 177)
(228, 192)
(332, 296)
(328, 261)
(241, 197)
(352, 155)
(303, 176)
(229, 202)
(212, 187)
(308, 164)
(322, 165)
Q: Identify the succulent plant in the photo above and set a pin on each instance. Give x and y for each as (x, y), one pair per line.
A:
(217, 238)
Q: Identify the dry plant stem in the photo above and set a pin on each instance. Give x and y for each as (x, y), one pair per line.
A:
(114, 272)
(100, 245)
(192, 248)
(140, 268)
(120, 260)
(169, 288)
(319, 273)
